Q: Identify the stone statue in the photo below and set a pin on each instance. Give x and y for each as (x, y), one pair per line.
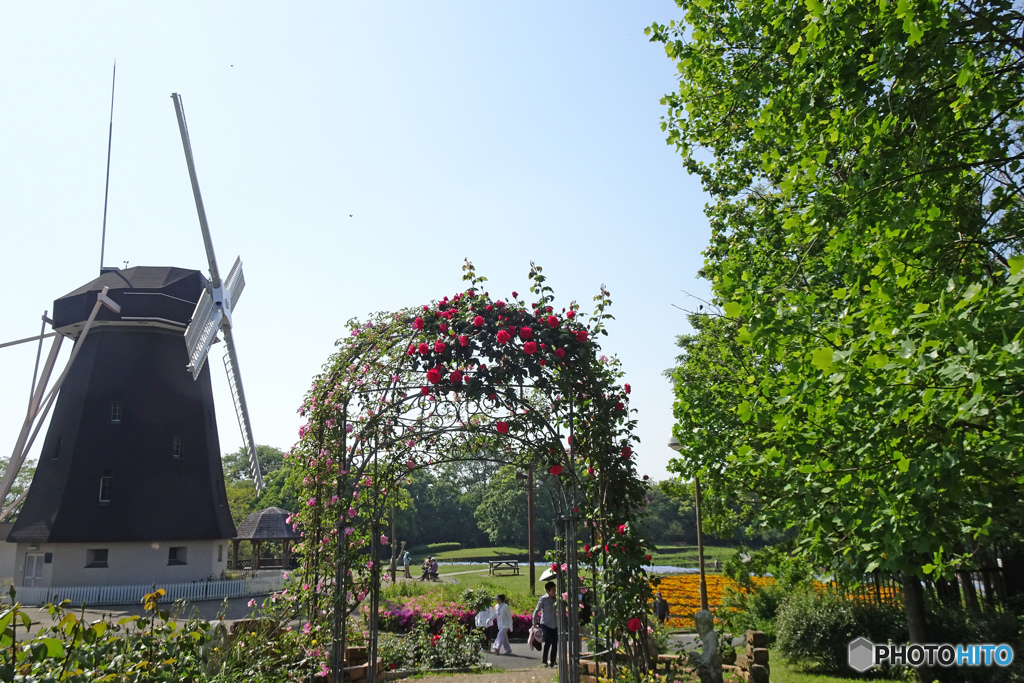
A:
(708, 663)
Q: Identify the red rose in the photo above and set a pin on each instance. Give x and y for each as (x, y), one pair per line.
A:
(560, 353)
(487, 307)
(606, 547)
(581, 336)
(424, 390)
(515, 295)
(478, 321)
(433, 375)
(525, 333)
(444, 328)
(648, 557)
(424, 349)
(439, 347)
(570, 314)
(554, 566)
(463, 340)
(628, 388)
(530, 347)
(503, 337)
(556, 470)
(456, 376)
(586, 548)
(412, 349)
(418, 323)
(552, 321)
(543, 362)
(622, 528)
(502, 427)
(590, 471)
(634, 624)
(626, 451)
(619, 406)
(499, 304)
(548, 309)
(493, 397)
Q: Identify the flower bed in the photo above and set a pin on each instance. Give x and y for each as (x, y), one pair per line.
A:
(400, 615)
(683, 594)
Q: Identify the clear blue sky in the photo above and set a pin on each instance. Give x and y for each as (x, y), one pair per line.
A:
(353, 154)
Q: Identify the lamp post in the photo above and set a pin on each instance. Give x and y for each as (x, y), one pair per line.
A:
(676, 446)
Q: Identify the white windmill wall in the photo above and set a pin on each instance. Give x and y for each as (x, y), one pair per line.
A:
(126, 564)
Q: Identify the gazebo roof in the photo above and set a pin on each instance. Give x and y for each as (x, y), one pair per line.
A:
(267, 525)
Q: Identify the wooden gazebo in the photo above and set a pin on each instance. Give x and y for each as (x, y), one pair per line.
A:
(268, 524)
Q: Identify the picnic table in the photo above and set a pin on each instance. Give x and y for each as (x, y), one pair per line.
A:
(495, 565)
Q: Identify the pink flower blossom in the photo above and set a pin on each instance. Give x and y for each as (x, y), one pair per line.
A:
(352, 513)
(252, 603)
(383, 539)
(349, 531)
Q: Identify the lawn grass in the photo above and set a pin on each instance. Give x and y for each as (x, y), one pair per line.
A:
(786, 672)
(687, 556)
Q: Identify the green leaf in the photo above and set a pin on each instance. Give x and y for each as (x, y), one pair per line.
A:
(733, 309)
(821, 358)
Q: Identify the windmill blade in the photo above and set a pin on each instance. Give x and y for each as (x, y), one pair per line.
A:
(202, 331)
(234, 284)
(235, 381)
(204, 226)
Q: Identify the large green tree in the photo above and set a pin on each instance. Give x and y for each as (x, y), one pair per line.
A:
(863, 160)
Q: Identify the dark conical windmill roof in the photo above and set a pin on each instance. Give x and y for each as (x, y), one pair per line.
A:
(144, 293)
(267, 525)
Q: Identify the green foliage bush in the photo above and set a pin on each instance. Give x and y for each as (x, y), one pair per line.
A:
(456, 646)
(754, 609)
(819, 625)
(956, 625)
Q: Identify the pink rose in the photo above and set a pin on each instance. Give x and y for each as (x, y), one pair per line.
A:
(530, 347)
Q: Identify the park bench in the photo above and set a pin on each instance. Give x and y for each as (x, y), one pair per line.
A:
(495, 565)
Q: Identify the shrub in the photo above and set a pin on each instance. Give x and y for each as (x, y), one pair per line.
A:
(819, 625)
(454, 646)
(754, 608)
(394, 651)
(956, 625)
(433, 549)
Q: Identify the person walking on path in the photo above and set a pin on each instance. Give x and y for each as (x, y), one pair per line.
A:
(503, 617)
(406, 563)
(660, 607)
(548, 624)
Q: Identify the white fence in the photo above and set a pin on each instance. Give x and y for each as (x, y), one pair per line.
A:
(127, 595)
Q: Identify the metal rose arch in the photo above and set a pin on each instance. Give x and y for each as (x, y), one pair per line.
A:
(450, 380)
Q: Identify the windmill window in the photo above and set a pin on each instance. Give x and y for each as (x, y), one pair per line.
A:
(115, 412)
(95, 558)
(177, 555)
(176, 447)
(105, 483)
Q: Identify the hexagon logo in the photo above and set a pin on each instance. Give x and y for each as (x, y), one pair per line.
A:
(860, 655)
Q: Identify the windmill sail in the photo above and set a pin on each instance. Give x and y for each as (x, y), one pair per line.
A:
(213, 310)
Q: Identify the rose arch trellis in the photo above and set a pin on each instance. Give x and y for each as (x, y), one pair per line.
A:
(449, 380)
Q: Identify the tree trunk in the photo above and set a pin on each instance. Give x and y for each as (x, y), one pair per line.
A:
(913, 605)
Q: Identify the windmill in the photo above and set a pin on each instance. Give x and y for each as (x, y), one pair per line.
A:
(129, 486)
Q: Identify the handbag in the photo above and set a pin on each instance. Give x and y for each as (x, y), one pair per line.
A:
(536, 639)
